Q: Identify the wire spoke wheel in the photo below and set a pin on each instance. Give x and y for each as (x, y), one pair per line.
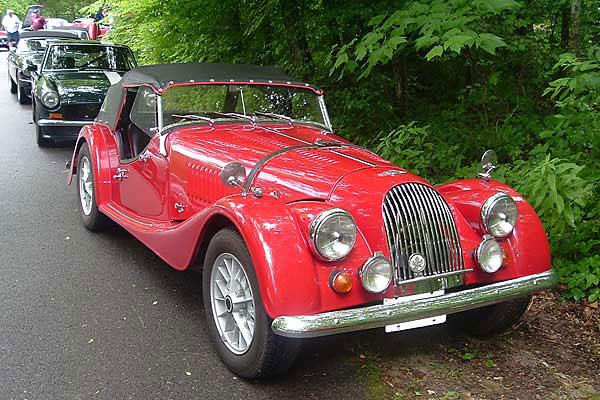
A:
(232, 303)
(86, 186)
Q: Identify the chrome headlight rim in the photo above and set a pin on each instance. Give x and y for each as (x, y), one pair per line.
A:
(486, 213)
(368, 264)
(318, 222)
(45, 97)
(488, 240)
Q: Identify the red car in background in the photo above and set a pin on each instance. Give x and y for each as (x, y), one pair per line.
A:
(3, 40)
(299, 233)
(95, 30)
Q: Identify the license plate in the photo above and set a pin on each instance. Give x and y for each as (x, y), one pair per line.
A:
(440, 319)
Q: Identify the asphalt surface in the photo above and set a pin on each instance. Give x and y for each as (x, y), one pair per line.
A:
(99, 316)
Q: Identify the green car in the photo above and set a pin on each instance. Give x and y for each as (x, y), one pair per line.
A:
(29, 51)
(71, 84)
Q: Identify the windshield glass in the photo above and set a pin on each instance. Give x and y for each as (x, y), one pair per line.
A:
(27, 45)
(261, 102)
(78, 57)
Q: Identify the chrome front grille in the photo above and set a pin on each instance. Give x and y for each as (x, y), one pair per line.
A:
(418, 221)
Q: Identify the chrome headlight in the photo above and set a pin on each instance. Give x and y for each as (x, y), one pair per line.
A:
(489, 254)
(376, 274)
(333, 234)
(499, 215)
(50, 99)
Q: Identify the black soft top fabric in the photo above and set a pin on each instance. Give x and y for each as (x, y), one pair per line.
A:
(160, 76)
(109, 113)
(48, 34)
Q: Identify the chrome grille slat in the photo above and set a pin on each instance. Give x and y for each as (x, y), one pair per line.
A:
(418, 220)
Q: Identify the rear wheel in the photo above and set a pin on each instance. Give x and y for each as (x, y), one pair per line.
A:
(490, 320)
(91, 216)
(238, 324)
(12, 85)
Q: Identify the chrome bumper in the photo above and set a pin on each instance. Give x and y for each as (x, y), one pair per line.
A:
(60, 122)
(329, 323)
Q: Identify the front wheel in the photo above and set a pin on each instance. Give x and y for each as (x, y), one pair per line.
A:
(91, 216)
(490, 320)
(22, 95)
(238, 324)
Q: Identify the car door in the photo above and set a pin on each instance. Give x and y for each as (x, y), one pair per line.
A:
(142, 172)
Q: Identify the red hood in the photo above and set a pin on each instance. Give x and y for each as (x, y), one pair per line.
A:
(294, 175)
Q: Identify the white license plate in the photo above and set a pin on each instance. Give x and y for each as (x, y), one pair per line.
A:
(440, 319)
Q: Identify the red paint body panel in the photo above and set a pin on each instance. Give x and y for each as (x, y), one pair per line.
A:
(297, 185)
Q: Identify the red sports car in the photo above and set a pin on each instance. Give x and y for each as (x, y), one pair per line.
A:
(235, 168)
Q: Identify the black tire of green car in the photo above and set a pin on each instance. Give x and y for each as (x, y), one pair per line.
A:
(490, 320)
(22, 95)
(39, 131)
(269, 354)
(12, 85)
(95, 221)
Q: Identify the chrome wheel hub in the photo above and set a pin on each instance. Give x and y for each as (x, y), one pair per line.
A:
(232, 303)
(86, 185)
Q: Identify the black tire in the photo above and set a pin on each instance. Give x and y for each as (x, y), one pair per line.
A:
(94, 221)
(39, 135)
(268, 354)
(490, 320)
(12, 85)
(22, 95)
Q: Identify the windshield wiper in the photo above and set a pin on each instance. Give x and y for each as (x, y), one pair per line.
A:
(276, 116)
(210, 121)
(237, 116)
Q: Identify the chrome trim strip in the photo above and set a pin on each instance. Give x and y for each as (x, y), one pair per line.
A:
(324, 112)
(333, 322)
(127, 216)
(60, 122)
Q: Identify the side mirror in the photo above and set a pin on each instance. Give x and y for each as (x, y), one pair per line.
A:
(31, 68)
(233, 174)
(489, 160)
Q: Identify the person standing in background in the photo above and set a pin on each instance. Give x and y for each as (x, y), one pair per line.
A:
(11, 24)
(37, 21)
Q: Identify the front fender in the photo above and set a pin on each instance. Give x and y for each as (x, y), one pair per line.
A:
(284, 265)
(527, 251)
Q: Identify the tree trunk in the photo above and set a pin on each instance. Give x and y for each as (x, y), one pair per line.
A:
(400, 76)
(564, 32)
(574, 28)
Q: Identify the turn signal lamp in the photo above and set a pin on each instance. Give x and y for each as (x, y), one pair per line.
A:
(340, 282)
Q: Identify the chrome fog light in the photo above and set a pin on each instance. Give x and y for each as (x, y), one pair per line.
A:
(499, 215)
(376, 274)
(489, 254)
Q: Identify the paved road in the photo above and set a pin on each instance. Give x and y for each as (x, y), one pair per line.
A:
(99, 316)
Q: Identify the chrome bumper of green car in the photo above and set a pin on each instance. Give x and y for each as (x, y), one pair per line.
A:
(60, 122)
(333, 322)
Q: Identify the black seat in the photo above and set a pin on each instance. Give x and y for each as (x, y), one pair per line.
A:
(138, 139)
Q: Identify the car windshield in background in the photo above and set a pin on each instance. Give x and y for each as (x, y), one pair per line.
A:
(31, 45)
(237, 102)
(80, 57)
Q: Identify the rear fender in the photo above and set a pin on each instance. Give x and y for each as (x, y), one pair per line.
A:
(93, 135)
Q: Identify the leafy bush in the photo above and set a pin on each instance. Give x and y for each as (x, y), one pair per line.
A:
(582, 278)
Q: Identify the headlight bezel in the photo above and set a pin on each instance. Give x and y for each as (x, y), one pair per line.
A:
(487, 241)
(378, 258)
(44, 97)
(318, 223)
(487, 212)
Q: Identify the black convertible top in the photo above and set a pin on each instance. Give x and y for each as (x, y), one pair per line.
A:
(47, 34)
(160, 76)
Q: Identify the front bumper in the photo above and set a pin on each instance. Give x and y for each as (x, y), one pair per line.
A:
(333, 322)
(60, 122)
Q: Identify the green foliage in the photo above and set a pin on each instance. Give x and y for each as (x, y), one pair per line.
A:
(582, 278)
